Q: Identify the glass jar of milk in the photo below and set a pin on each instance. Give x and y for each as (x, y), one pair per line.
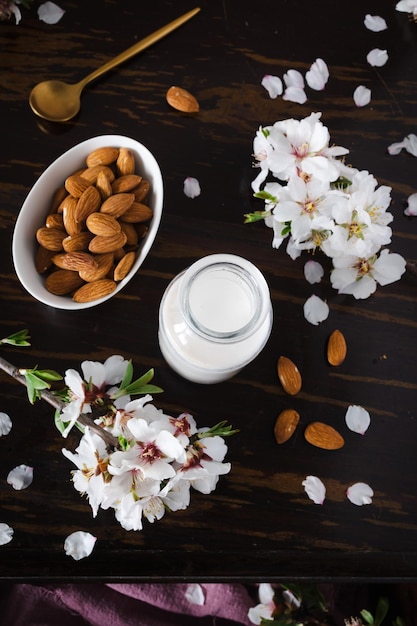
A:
(214, 318)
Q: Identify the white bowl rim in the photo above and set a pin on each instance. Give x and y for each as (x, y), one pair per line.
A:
(67, 163)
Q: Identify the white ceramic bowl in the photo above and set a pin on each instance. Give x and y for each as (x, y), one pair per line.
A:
(36, 206)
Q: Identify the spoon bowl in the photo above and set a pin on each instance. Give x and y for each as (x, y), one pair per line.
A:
(57, 101)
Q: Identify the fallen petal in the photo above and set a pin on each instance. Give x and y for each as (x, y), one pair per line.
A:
(5, 424)
(195, 594)
(357, 419)
(411, 209)
(294, 78)
(318, 75)
(6, 533)
(191, 187)
(315, 310)
(377, 57)
(79, 544)
(360, 493)
(315, 489)
(273, 85)
(395, 148)
(375, 23)
(362, 96)
(313, 272)
(20, 477)
(50, 13)
(295, 94)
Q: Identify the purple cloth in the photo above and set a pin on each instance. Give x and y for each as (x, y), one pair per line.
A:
(123, 605)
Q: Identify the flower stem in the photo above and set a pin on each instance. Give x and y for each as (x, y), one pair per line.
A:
(49, 397)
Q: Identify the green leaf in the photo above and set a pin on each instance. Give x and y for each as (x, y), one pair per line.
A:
(219, 430)
(48, 375)
(266, 132)
(367, 616)
(124, 443)
(286, 230)
(127, 379)
(58, 422)
(17, 339)
(341, 183)
(256, 216)
(381, 611)
(265, 195)
(138, 387)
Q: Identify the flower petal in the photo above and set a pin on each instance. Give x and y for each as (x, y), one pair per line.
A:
(362, 96)
(273, 85)
(20, 477)
(360, 494)
(79, 544)
(318, 75)
(315, 310)
(50, 13)
(191, 187)
(315, 489)
(375, 23)
(313, 272)
(411, 209)
(295, 94)
(5, 424)
(357, 419)
(6, 533)
(195, 594)
(377, 57)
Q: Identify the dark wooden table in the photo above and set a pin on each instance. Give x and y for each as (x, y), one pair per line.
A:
(258, 524)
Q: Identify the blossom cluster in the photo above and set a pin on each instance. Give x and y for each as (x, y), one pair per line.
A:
(321, 203)
(158, 457)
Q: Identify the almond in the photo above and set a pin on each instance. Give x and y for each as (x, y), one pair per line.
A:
(92, 173)
(125, 183)
(54, 220)
(285, 425)
(75, 261)
(125, 163)
(104, 265)
(131, 233)
(182, 100)
(71, 225)
(100, 244)
(88, 203)
(336, 348)
(102, 156)
(77, 242)
(124, 266)
(137, 213)
(50, 238)
(323, 436)
(95, 290)
(117, 204)
(43, 259)
(142, 190)
(102, 224)
(63, 282)
(76, 185)
(57, 198)
(289, 375)
(103, 186)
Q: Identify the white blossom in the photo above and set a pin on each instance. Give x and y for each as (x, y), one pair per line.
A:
(79, 544)
(50, 13)
(407, 6)
(315, 489)
(195, 594)
(362, 96)
(411, 209)
(318, 75)
(315, 310)
(5, 424)
(377, 57)
(6, 533)
(266, 607)
(376, 23)
(357, 419)
(20, 477)
(313, 272)
(360, 494)
(191, 187)
(273, 85)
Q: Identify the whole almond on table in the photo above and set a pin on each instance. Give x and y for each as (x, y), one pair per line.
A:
(77, 242)
(92, 173)
(103, 186)
(102, 224)
(289, 375)
(125, 183)
(100, 244)
(94, 290)
(103, 268)
(50, 238)
(102, 156)
(336, 348)
(71, 225)
(285, 425)
(142, 190)
(182, 100)
(76, 185)
(89, 202)
(63, 282)
(75, 261)
(323, 436)
(125, 163)
(124, 266)
(137, 213)
(117, 204)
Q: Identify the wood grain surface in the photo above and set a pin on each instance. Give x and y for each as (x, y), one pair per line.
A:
(259, 523)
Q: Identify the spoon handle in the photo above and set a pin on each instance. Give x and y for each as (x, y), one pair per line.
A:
(138, 47)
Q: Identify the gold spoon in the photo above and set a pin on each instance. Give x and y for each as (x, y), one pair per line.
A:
(57, 101)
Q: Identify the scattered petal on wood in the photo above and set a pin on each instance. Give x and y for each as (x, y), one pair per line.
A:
(318, 75)
(360, 494)
(79, 544)
(315, 489)
(191, 187)
(362, 96)
(313, 272)
(357, 419)
(411, 209)
(5, 424)
(295, 94)
(376, 23)
(195, 594)
(6, 533)
(273, 85)
(20, 477)
(315, 310)
(377, 57)
(50, 13)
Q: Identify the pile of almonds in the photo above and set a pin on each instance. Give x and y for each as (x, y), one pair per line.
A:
(93, 230)
(317, 434)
